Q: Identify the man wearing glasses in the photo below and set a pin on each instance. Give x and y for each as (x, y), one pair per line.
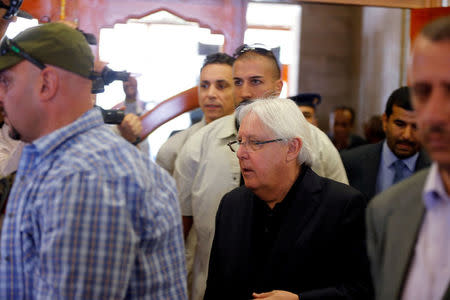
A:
(89, 216)
(206, 169)
(288, 233)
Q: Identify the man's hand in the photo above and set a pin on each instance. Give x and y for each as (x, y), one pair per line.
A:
(130, 128)
(99, 65)
(276, 295)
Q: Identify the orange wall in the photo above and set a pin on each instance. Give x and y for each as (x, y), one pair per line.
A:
(420, 17)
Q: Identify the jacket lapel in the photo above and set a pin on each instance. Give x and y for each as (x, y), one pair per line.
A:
(423, 161)
(447, 293)
(372, 161)
(401, 239)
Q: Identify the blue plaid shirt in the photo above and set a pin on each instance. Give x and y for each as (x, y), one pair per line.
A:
(89, 217)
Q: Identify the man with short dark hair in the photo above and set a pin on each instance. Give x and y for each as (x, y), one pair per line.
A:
(215, 98)
(342, 121)
(408, 226)
(89, 216)
(373, 168)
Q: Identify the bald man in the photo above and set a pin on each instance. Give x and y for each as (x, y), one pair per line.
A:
(88, 216)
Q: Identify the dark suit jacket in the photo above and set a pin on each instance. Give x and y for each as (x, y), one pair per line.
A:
(362, 164)
(319, 251)
(394, 218)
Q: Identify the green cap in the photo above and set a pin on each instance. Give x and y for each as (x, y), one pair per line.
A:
(55, 44)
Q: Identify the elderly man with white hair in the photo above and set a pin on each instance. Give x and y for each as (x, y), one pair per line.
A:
(288, 233)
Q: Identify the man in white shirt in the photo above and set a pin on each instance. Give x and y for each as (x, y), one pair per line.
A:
(215, 98)
(205, 169)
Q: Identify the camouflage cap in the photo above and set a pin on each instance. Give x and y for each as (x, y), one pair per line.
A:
(54, 44)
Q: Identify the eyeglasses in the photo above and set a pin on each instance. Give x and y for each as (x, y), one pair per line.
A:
(9, 45)
(253, 145)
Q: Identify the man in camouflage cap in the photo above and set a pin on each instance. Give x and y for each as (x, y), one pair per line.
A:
(89, 216)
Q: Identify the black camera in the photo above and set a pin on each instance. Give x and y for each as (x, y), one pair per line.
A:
(99, 80)
(112, 116)
(109, 75)
(13, 10)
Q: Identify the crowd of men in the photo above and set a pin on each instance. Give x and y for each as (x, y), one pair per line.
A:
(270, 208)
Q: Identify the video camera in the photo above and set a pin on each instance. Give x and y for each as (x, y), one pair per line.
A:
(13, 10)
(99, 80)
(112, 116)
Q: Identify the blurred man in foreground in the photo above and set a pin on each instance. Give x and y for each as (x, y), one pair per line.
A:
(409, 224)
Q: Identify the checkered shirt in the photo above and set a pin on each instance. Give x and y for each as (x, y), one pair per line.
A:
(89, 217)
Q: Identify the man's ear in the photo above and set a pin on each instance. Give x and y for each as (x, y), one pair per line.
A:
(49, 84)
(279, 86)
(385, 120)
(294, 147)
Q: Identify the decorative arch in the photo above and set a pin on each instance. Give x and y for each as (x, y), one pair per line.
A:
(227, 17)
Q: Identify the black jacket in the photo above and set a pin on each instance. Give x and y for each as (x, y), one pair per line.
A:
(319, 252)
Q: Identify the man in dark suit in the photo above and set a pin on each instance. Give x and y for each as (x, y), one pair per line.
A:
(409, 224)
(288, 233)
(373, 168)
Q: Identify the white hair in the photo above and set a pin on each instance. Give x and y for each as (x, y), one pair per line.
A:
(285, 120)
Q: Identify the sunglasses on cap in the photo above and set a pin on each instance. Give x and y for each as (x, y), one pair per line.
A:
(8, 45)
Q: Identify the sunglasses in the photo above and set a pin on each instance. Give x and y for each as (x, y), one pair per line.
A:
(257, 48)
(8, 45)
